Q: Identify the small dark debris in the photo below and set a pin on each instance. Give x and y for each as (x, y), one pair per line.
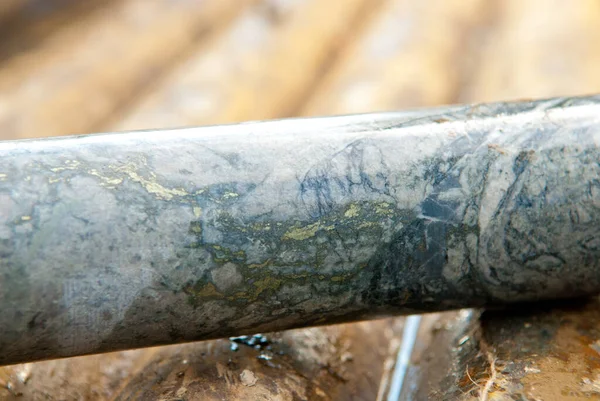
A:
(257, 341)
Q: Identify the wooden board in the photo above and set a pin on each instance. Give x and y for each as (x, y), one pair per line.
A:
(408, 58)
(538, 49)
(37, 23)
(264, 67)
(98, 64)
(8, 8)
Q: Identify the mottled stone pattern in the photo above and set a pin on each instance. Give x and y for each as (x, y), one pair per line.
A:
(127, 240)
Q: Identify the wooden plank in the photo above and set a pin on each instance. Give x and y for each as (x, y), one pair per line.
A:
(38, 23)
(263, 68)
(409, 58)
(8, 8)
(110, 57)
(539, 49)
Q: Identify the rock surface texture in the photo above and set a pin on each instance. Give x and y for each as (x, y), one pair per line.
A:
(116, 241)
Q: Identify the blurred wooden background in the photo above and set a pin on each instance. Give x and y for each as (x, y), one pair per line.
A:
(69, 66)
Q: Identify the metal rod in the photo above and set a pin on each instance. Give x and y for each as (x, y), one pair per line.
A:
(128, 240)
(409, 337)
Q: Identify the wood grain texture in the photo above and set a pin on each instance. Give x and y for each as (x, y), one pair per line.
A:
(262, 68)
(8, 8)
(538, 49)
(110, 58)
(410, 57)
(38, 23)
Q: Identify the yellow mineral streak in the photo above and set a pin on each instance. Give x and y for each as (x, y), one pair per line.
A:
(383, 208)
(209, 290)
(106, 181)
(259, 265)
(302, 233)
(352, 211)
(150, 185)
(268, 283)
(230, 195)
(69, 165)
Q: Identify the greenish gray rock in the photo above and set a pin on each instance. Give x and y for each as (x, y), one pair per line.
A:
(129, 240)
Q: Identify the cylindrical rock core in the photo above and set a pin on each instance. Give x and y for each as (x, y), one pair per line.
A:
(128, 240)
